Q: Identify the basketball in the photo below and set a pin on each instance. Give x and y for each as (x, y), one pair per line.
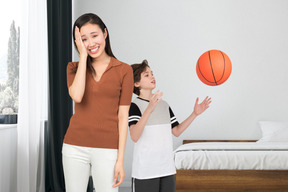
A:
(213, 67)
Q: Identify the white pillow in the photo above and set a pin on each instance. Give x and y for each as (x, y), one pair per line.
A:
(274, 131)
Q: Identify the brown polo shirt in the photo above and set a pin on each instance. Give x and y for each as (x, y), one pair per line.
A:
(95, 121)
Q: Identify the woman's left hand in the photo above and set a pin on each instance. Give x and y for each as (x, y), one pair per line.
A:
(200, 108)
(119, 172)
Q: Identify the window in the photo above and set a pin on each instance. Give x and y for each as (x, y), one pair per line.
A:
(9, 61)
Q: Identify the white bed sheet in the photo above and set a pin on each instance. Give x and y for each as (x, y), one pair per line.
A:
(232, 155)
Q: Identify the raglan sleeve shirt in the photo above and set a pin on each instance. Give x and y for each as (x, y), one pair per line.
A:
(135, 115)
(153, 151)
(173, 119)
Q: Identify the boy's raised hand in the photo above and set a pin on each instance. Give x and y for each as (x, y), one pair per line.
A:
(154, 100)
(200, 108)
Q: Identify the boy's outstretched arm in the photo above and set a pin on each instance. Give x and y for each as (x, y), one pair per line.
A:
(137, 129)
(198, 109)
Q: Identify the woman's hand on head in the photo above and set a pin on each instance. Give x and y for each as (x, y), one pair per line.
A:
(200, 108)
(80, 45)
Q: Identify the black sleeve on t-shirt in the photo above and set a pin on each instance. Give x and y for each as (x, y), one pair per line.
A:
(134, 114)
(173, 119)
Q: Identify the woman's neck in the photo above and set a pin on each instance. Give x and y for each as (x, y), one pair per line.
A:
(101, 59)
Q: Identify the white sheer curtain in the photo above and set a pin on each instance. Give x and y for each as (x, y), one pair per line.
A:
(33, 99)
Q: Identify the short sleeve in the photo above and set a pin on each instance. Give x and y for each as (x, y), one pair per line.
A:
(173, 119)
(71, 72)
(134, 114)
(127, 86)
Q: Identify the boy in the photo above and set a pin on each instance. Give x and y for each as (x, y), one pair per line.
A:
(150, 122)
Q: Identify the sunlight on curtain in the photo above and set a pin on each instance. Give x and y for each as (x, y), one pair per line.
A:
(33, 101)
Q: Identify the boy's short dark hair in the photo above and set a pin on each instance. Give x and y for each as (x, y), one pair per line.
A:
(138, 68)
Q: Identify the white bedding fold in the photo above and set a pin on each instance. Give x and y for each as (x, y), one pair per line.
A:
(232, 155)
(234, 146)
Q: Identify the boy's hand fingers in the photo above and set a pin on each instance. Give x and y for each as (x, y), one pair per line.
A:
(158, 96)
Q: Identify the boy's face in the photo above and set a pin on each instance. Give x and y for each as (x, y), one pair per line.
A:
(147, 81)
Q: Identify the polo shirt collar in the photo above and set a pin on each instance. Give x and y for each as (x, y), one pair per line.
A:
(113, 62)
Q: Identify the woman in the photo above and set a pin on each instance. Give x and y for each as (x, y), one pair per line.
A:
(101, 87)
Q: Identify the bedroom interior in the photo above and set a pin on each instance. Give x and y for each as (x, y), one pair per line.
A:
(227, 165)
(172, 39)
(249, 108)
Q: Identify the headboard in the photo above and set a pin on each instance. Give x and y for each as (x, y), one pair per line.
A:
(197, 141)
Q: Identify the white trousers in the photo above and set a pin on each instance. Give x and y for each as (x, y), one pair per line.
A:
(80, 162)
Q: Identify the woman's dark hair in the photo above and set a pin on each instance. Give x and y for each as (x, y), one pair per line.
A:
(138, 68)
(92, 19)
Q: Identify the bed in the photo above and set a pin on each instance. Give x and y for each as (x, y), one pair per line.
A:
(234, 165)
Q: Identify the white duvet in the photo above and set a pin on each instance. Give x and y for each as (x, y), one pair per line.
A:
(232, 155)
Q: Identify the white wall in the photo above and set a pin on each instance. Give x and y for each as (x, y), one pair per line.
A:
(8, 161)
(172, 35)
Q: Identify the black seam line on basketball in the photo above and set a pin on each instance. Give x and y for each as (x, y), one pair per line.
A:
(212, 68)
(224, 66)
(202, 73)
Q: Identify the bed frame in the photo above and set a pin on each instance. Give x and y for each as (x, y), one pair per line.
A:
(231, 180)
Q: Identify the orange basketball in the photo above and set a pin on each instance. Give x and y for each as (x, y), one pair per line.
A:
(213, 67)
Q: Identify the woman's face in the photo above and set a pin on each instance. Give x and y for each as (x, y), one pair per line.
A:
(93, 39)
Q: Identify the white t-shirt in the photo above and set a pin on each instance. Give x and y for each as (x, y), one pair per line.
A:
(153, 152)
